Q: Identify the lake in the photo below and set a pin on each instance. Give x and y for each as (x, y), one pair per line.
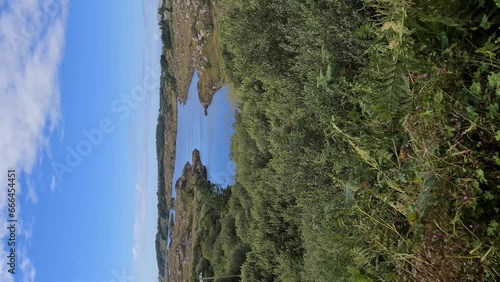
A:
(210, 134)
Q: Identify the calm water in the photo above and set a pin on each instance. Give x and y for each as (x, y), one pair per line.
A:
(211, 135)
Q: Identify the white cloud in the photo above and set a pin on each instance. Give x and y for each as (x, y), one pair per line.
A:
(53, 184)
(27, 232)
(134, 252)
(138, 219)
(32, 195)
(32, 34)
(27, 268)
(145, 267)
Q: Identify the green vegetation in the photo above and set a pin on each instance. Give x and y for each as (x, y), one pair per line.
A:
(188, 38)
(366, 146)
(162, 233)
(166, 131)
(188, 29)
(203, 228)
(217, 249)
(368, 138)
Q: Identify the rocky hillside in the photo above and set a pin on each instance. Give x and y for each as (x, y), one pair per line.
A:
(183, 229)
(198, 207)
(195, 43)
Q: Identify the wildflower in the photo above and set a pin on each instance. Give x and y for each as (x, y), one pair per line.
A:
(466, 198)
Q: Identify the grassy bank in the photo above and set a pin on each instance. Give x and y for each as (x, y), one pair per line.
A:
(194, 44)
(366, 143)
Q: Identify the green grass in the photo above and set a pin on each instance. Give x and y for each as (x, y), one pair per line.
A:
(211, 78)
(367, 141)
(368, 145)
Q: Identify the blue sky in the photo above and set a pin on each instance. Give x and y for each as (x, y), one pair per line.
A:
(79, 102)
